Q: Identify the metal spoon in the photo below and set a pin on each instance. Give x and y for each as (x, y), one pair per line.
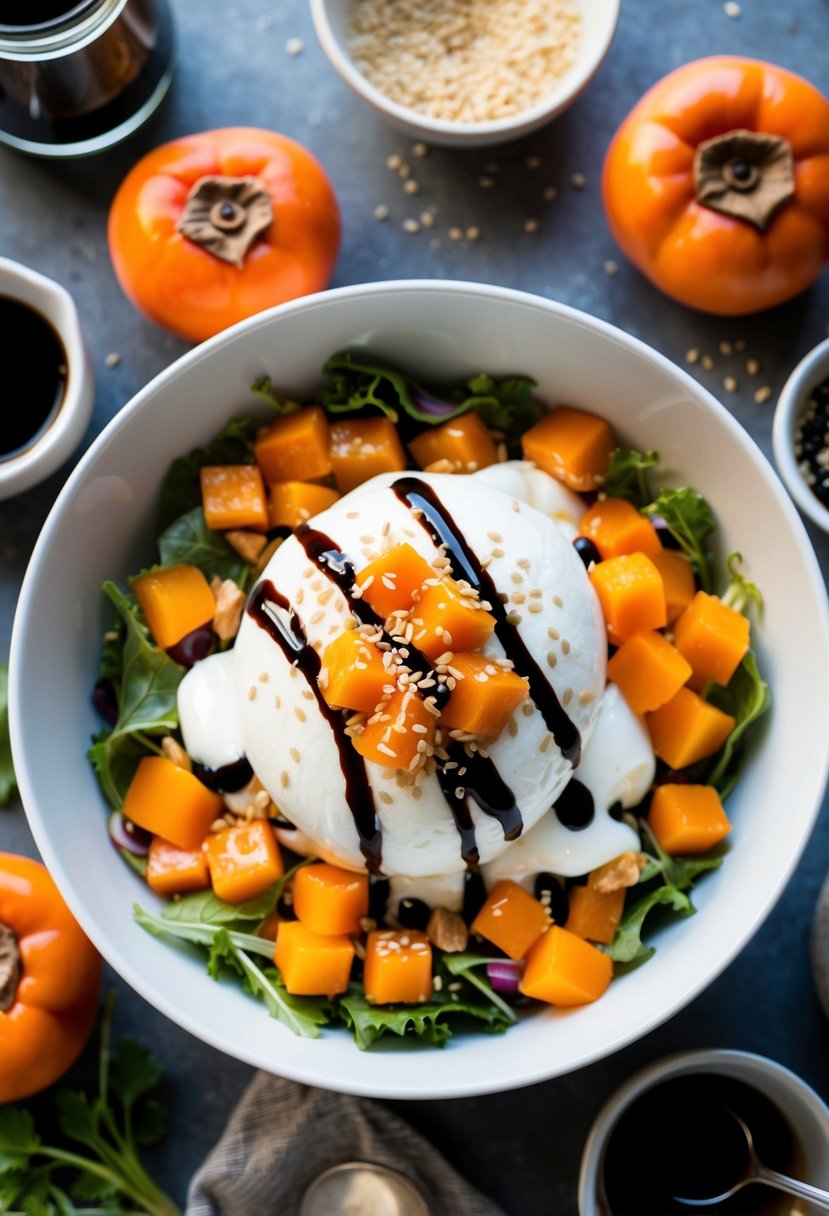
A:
(360, 1188)
(755, 1171)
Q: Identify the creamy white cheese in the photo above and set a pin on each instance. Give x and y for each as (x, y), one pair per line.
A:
(208, 711)
(524, 481)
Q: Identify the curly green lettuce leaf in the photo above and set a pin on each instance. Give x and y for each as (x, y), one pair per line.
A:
(264, 387)
(188, 539)
(627, 476)
(8, 785)
(181, 489)
(428, 1022)
(690, 520)
(746, 697)
(627, 946)
(741, 594)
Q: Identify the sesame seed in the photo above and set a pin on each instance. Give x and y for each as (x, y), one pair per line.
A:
(486, 183)
(455, 234)
(732, 9)
(411, 186)
(568, 696)
(420, 150)
(726, 348)
(730, 384)
(551, 659)
(112, 359)
(386, 797)
(284, 779)
(752, 366)
(707, 362)
(762, 395)
(517, 578)
(530, 224)
(394, 161)
(252, 694)
(692, 356)
(294, 46)
(578, 181)
(611, 268)
(300, 714)
(294, 754)
(565, 646)
(411, 226)
(545, 742)
(277, 702)
(550, 193)
(527, 709)
(427, 219)
(473, 234)
(558, 601)
(535, 608)
(586, 697)
(381, 212)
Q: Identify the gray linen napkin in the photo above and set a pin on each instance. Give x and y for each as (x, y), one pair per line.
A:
(283, 1135)
(820, 947)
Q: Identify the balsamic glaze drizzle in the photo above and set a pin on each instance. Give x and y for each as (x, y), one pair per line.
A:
(575, 807)
(228, 778)
(290, 637)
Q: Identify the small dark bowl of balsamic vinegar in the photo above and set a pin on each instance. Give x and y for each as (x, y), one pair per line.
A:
(667, 1131)
(48, 381)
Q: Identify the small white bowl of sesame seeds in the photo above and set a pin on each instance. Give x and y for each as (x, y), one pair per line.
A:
(801, 449)
(466, 73)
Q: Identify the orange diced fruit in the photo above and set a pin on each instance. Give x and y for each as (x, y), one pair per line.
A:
(175, 600)
(687, 728)
(595, 915)
(389, 583)
(616, 528)
(511, 919)
(466, 442)
(291, 503)
(687, 818)
(401, 739)
(174, 871)
(233, 496)
(363, 447)
(713, 638)
(330, 900)
(484, 696)
(563, 969)
(630, 593)
(355, 676)
(677, 579)
(170, 802)
(447, 618)
(295, 448)
(572, 446)
(270, 925)
(648, 670)
(398, 967)
(244, 861)
(312, 964)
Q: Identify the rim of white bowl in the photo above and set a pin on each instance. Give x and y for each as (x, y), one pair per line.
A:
(570, 86)
(713, 1059)
(808, 373)
(143, 985)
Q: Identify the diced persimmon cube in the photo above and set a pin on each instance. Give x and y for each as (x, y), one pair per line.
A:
(243, 860)
(311, 964)
(295, 448)
(233, 496)
(687, 728)
(484, 695)
(465, 442)
(363, 447)
(174, 871)
(630, 593)
(398, 967)
(572, 446)
(687, 818)
(400, 736)
(353, 675)
(511, 919)
(648, 670)
(595, 915)
(713, 638)
(291, 503)
(170, 802)
(330, 900)
(175, 600)
(677, 579)
(388, 584)
(563, 969)
(270, 925)
(447, 618)
(616, 528)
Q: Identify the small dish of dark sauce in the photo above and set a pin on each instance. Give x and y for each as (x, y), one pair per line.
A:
(679, 1138)
(35, 385)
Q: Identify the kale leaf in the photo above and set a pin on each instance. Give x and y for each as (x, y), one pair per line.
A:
(690, 520)
(627, 476)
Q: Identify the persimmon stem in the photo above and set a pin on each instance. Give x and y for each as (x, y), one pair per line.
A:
(745, 175)
(11, 967)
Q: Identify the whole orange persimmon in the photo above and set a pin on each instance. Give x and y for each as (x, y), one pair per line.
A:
(50, 980)
(213, 227)
(716, 185)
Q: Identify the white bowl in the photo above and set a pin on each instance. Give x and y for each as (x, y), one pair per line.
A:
(810, 371)
(805, 1111)
(62, 432)
(599, 18)
(102, 527)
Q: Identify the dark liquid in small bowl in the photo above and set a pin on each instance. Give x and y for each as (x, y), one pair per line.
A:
(34, 376)
(678, 1139)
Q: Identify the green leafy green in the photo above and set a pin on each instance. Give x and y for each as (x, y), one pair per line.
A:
(263, 387)
(627, 945)
(627, 476)
(741, 594)
(746, 697)
(181, 489)
(464, 966)
(188, 539)
(301, 1014)
(146, 692)
(427, 1022)
(110, 1125)
(8, 785)
(205, 908)
(200, 933)
(690, 521)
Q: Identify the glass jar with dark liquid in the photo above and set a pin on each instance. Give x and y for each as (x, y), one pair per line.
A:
(76, 78)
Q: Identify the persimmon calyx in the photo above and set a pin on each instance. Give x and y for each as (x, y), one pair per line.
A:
(10, 968)
(225, 215)
(744, 174)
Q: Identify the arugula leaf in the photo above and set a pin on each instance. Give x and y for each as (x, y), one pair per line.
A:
(302, 1015)
(690, 521)
(627, 945)
(206, 908)
(188, 539)
(115, 760)
(427, 1022)
(627, 476)
(746, 697)
(8, 785)
(198, 933)
(464, 965)
(181, 490)
(679, 872)
(741, 594)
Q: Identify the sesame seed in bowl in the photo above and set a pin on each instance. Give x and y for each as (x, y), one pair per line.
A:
(800, 435)
(466, 72)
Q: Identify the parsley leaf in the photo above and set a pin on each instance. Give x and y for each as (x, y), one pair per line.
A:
(18, 1138)
(8, 785)
(746, 697)
(181, 489)
(690, 520)
(188, 539)
(627, 476)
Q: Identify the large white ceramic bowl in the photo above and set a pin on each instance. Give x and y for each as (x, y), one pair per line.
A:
(102, 527)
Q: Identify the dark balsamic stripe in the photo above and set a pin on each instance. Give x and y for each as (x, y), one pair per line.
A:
(291, 639)
(227, 779)
(575, 807)
(443, 530)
